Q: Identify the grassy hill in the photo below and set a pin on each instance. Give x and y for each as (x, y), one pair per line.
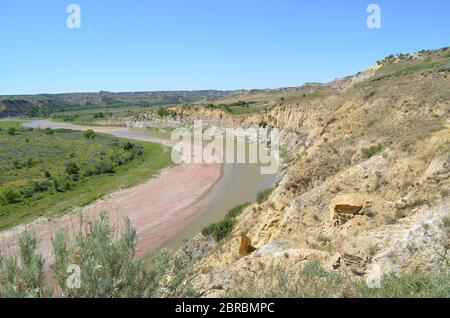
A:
(45, 105)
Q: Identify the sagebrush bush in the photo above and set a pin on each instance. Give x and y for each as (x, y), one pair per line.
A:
(108, 264)
(24, 276)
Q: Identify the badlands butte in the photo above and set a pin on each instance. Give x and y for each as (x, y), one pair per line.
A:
(364, 184)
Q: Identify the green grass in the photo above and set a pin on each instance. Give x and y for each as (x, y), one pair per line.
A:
(408, 69)
(34, 163)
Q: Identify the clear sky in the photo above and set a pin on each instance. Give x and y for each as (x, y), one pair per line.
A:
(137, 45)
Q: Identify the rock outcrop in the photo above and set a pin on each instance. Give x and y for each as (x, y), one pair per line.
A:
(345, 207)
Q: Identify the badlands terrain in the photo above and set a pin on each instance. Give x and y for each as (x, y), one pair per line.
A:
(363, 192)
(365, 184)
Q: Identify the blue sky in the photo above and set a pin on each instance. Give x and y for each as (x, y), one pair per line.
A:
(137, 45)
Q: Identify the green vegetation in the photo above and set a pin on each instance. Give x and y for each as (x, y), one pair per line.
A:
(164, 112)
(108, 267)
(372, 151)
(408, 69)
(313, 281)
(237, 210)
(240, 107)
(400, 214)
(48, 172)
(48, 105)
(220, 230)
(368, 212)
(223, 228)
(263, 195)
(90, 134)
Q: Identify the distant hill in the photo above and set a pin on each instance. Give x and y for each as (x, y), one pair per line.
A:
(45, 104)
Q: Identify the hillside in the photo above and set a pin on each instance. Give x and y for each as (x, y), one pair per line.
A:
(44, 105)
(366, 183)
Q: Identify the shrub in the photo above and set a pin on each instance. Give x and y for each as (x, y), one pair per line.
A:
(399, 214)
(57, 186)
(263, 195)
(108, 264)
(164, 112)
(99, 115)
(35, 187)
(103, 166)
(128, 146)
(72, 168)
(211, 106)
(10, 196)
(371, 151)
(17, 164)
(446, 221)
(47, 174)
(444, 193)
(237, 210)
(90, 134)
(220, 230)
(26, 279)
(368, 212)
(12, 131)
(49, 131)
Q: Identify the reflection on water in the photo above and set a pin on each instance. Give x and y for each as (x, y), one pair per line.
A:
(240, 182)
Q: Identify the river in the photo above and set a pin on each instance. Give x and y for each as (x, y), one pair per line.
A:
(237, 184)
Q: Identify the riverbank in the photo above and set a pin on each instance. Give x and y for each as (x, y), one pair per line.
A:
(157, 208)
